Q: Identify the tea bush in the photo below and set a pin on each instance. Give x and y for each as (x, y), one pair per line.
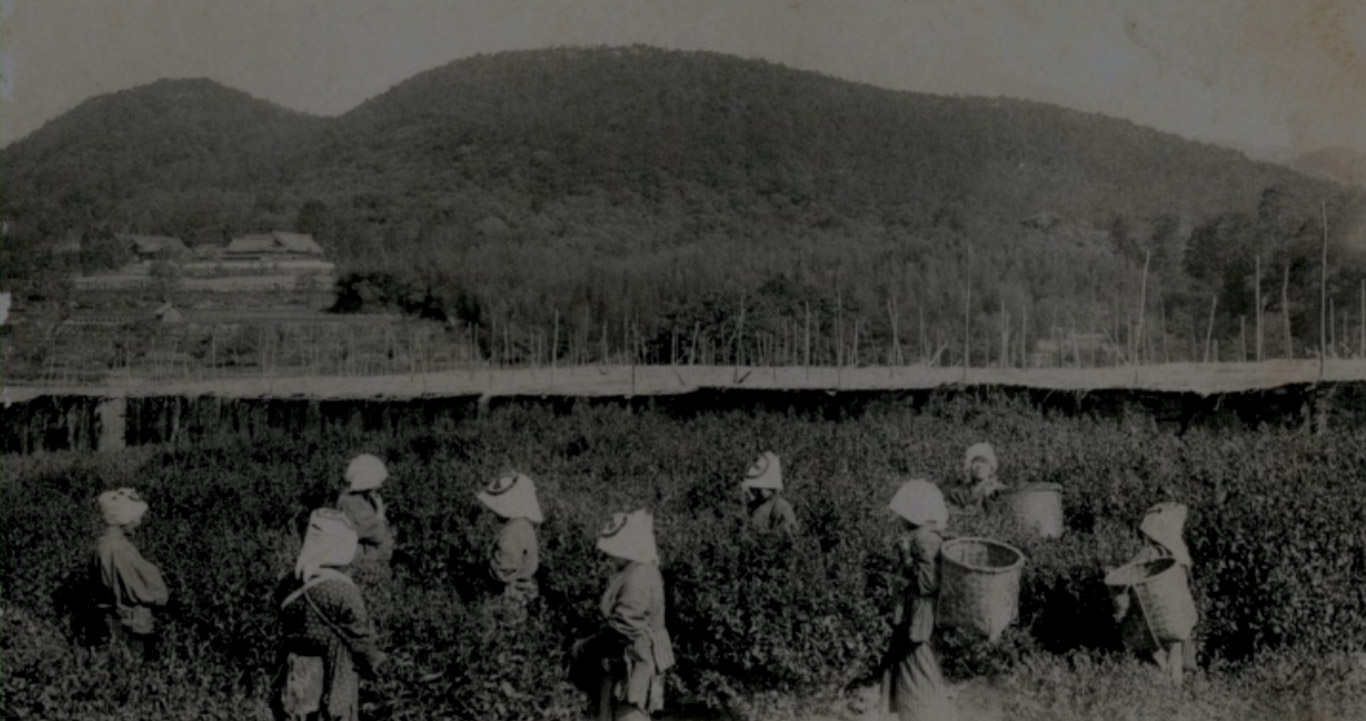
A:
(1275, 531)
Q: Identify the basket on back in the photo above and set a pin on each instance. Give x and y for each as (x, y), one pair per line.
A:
(1166, 609)
(1037, 507)
(979, 591)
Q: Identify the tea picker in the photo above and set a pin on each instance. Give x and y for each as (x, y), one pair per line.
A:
(913, 685)
(763, 483)
(1153, 604)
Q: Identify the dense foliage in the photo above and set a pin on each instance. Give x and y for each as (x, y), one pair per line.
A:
(639, 186)
(1279, 552)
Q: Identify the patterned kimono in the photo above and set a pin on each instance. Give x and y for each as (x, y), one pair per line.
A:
(127, 587)
(914, 689)
(637, 645)
(515, 558)
(327, 642)
(774, 514)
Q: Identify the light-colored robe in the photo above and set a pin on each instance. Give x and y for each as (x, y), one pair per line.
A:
(128, 586)
(633, 610)
(775, 514)
(515, 558)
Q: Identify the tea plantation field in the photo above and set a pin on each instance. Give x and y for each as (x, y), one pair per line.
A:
(765, 627)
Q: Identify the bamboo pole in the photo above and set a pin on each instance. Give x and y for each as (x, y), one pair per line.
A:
(967, 329)
(1332, 327)
(692, 351)
(1242, 336)
(739, 333)
(895, 349)
(1323, 290)
(1257, 287)
(1361, 352)
(808, 339)
(1005, 335)
(1142, 310)
(839, 327)
(1285, 312)
(1209, 332)
(924, 353)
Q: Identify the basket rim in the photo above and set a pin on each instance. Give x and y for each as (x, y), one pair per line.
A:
(1036, 488)
(982, 540)
(1167, 562)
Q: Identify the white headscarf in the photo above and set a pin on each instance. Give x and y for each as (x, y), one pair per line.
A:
(630, 536)
(921, 503)
(329, 542)
(512, 495)
(765, 472)
(365, 473)
(1163, 524)
(122, 507)
(980, 450)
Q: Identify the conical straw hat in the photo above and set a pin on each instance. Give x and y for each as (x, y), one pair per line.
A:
(630, 536)
(1163, 523)
(765, 472)
(512, 495)
(921, 503)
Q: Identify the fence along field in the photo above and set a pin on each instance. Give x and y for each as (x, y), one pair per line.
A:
(766, 628)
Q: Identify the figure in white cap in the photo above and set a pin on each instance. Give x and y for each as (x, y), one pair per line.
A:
(1162, 524)
(515, 555)
(328, 642)
(127, 586)
(764, 483)
(980, 483)
(361, 502)
(913, 686)
(624, 664)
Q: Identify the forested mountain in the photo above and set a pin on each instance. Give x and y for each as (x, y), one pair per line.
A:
(620, 184)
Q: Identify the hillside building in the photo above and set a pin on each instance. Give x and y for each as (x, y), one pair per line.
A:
(153, 247)
(276, 245)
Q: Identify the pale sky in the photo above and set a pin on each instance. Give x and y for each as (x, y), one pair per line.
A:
(1278, 75)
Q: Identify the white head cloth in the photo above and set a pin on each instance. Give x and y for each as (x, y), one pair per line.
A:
(365, 473)
(330, 542)
(980, 450)
(122, 507)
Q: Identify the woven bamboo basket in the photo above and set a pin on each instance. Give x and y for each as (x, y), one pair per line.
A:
(1162, 592)
(1037, 507)
(979, 590)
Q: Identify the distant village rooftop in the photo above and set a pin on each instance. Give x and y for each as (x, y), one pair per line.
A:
(273, 243)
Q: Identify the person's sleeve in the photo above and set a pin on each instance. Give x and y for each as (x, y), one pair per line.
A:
(141, 581)
(789, 519)
(924, 562)
(354, 622)
(630, 612)
(370, 525)
(960, 497)
(508, 554)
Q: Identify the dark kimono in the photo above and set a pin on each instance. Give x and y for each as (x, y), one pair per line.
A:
(913, 688)
(327, 642)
